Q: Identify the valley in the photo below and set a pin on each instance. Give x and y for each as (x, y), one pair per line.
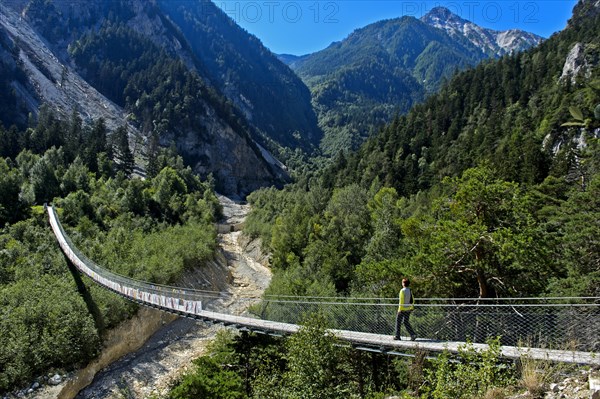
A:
(463, 158)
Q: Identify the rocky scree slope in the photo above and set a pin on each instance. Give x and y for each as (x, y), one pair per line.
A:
(169, 95)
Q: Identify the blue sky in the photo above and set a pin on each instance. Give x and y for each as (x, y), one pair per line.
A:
(305, 26)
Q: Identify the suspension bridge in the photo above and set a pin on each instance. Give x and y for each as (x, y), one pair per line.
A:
(528, 327)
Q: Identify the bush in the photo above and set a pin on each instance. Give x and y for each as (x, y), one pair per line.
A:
(209, 380)
(476, 373)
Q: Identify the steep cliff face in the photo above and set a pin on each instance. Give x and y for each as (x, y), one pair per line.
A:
(126, 62)
(578, 63)
(236, 163)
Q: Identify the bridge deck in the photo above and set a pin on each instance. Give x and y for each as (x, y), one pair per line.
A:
(387, 344)
(164, 299)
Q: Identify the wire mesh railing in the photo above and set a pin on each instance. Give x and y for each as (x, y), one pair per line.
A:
(558, 323)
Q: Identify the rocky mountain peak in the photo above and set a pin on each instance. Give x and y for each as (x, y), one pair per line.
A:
(491, 42)
(440, 16)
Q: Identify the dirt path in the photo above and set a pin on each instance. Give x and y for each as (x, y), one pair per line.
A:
(150, 370)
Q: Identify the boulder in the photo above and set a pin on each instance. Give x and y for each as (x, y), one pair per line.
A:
(594, 382)
(55, 379)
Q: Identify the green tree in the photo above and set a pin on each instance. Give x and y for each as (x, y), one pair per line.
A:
(481, 240)
(317, 367)
(346, 230)
(76, 177)
(209, 380)
(471, 377)
(576, 225)
(95, 143)
(11, 207)
(123, 152)
(44, 175)
(169, 191)
(386, 230)
(153, 151)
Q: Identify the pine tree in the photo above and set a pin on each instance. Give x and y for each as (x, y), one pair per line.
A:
(95, 144)
(123, 152)
(153, 166)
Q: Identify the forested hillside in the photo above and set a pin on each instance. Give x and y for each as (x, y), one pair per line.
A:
(489, 188)
(381, 70)
(152, 230)
(271, 97)
(207, 41)
(147, 65)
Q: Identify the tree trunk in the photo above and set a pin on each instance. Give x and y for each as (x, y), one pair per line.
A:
(482, 281)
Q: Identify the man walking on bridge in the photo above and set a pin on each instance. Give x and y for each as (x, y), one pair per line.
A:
(405, 307)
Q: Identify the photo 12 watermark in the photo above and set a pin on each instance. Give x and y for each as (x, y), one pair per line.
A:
(329, 12)
(287, 11)
(488, 12)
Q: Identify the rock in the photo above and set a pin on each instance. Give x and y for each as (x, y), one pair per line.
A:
(594, 383)
(554, 388)
(595, 395)
(29, 391)
(55, 379)
(35, 385)
(576, 64)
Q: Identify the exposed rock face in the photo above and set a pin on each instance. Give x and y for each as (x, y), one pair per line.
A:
(52, 81)
(491, 42)
(576, 64)
(236, 163)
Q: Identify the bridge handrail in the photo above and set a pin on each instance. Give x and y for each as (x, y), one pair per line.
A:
(441, 299)
(118, 278)
(437, 302)
(434, 305)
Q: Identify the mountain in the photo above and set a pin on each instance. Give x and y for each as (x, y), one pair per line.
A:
(175, 69)
(381, 70)
(268, 93)
(491, 42)
(528, 115)
(290, 59)
(490, 187)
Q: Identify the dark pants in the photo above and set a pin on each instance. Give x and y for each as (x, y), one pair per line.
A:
(402, 318)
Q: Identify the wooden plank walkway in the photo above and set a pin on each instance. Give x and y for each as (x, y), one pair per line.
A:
(386, 343)
(361, 340)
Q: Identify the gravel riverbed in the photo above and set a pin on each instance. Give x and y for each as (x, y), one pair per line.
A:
(149, 370)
